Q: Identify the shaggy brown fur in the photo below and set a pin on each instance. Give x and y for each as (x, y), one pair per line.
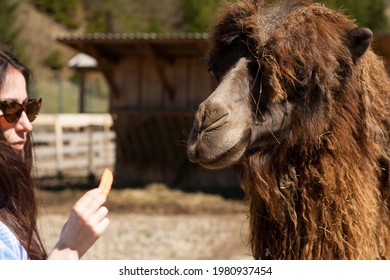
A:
(319, 187)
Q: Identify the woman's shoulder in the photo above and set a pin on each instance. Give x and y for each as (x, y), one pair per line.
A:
(10, 247)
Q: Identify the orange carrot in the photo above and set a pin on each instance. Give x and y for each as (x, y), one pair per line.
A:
(106, 181)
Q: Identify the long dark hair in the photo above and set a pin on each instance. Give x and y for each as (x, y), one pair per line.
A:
(18, 208)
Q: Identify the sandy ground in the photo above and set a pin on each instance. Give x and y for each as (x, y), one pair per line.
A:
(167, 225)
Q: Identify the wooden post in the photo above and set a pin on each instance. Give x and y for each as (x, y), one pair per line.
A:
(90, 151)
(82, 90)
(58, 145)
(106, 141)
(158, 65)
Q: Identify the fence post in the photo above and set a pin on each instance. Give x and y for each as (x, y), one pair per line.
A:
(58, 132)
(90, 151)
(106, 139)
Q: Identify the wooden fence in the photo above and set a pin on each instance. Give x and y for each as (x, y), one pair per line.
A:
(73, 144)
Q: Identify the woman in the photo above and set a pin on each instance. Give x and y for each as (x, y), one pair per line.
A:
(19, 236)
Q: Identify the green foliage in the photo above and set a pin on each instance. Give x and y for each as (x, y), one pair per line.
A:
(100, 18)
(368, 13)
(154, 25)
(194, 15)
(118, 16)
(54, 60)
(8, 31)
(199, 15)
(150, 16)
(63, 11)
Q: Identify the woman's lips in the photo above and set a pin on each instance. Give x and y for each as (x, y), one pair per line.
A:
(18, 145)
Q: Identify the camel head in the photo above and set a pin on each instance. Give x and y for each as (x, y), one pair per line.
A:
(279, 69)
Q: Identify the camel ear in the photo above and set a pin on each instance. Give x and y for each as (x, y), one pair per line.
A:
(359, 41)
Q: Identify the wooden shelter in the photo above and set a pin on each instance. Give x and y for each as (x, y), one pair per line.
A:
(156, 84)
(381, 46)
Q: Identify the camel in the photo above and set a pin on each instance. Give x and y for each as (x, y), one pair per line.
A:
(302, 111)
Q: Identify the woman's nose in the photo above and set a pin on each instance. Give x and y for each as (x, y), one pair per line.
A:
(24, 123)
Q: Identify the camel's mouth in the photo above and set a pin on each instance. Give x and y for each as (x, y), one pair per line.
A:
(216, 123)
(214, 154)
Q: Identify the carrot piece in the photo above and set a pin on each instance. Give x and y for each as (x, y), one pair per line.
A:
(106, 181)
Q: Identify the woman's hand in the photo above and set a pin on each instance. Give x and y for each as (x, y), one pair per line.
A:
(86, 223)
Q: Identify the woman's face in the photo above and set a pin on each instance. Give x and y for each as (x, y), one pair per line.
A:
(14, 89)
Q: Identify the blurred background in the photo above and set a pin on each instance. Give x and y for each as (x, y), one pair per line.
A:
(31, 26)
(121, 80)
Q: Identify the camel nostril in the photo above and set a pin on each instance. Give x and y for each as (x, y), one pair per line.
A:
(214, 116)
(217, 122)
(199, 117)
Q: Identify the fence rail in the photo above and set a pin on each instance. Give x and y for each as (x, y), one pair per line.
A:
(73, 144)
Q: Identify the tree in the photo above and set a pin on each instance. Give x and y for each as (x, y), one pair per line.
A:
(368, 13)
(63, 11)
(8, 31)
(100, 20)
(199, 14)
(54, 60)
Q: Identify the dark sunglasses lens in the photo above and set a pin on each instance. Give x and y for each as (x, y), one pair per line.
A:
(32, 109)
(12, 112)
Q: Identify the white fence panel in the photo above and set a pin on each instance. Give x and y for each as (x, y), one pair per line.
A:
(73, 144)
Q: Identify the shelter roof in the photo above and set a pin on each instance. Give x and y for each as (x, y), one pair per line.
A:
(115, 45)
(112, 46)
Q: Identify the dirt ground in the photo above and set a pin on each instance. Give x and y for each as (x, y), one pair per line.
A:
(157, 223)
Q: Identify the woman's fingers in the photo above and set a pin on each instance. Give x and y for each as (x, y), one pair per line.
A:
(99, 215)
(89, 210)
(102, 226)
(90, 202)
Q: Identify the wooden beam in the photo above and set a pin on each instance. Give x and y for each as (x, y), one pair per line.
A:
(158, 64)
(106, 65)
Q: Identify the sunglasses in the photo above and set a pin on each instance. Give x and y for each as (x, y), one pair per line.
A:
(12, 110)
